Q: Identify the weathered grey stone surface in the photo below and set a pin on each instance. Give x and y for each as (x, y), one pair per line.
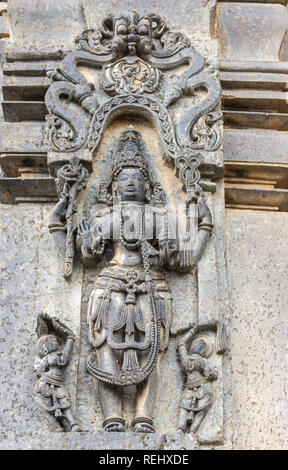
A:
(81, 441)
(251, 31)
(31, 282)
(256, 145)
(21, 137)
(257, 325)
(57, 23)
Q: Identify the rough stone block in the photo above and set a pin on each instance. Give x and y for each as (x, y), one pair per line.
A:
(257, 274)
(243, 27)
(253, 145)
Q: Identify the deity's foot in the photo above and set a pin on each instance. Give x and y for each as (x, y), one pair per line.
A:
(75, 428)
(143, 428)
(114, 424)
(114, 427)
(143, 424)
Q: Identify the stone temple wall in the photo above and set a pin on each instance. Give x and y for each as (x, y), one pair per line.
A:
(241, 277)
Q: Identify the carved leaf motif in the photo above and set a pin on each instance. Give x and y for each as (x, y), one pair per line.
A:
(170, 44)
(61, 134)
(47, 325)
(91, 40)
(207, 132)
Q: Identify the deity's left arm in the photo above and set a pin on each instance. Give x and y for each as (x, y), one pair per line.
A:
(167, 241)
(190, 249)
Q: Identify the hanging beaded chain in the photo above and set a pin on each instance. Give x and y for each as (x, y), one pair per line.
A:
(125, 239)
(146, 261)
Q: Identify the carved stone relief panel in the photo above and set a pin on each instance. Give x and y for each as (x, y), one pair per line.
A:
(137, 105)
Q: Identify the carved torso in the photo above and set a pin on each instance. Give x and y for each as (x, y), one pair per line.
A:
(125, 226)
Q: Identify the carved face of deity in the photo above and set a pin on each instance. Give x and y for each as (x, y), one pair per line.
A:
(131, 185)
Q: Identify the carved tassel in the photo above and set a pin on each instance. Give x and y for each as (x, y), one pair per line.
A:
(186, 246)
(130, 319)
(130, 313)
(161, 308)
(102, 311)
(130, 359)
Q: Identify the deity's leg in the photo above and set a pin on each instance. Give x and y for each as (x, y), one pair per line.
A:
(145, 400)
(110, 395)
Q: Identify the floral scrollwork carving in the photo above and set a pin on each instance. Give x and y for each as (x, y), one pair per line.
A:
(130, 75)
(62, 134)
(207, 132)
(91, 40)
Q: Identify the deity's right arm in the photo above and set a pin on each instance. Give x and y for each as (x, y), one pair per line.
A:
(94, 236)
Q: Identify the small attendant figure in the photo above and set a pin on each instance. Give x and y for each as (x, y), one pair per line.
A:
(51, 393)
(198, 392)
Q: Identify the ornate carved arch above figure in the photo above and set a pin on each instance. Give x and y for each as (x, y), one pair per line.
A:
(134, 54)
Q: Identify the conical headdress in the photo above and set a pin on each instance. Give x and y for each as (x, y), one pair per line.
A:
(129, 153)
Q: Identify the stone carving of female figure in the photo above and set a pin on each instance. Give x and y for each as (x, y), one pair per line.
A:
(130, 307)
(51, 393)
(198, 392)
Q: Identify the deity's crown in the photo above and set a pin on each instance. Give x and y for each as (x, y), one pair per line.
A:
(130, 153)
